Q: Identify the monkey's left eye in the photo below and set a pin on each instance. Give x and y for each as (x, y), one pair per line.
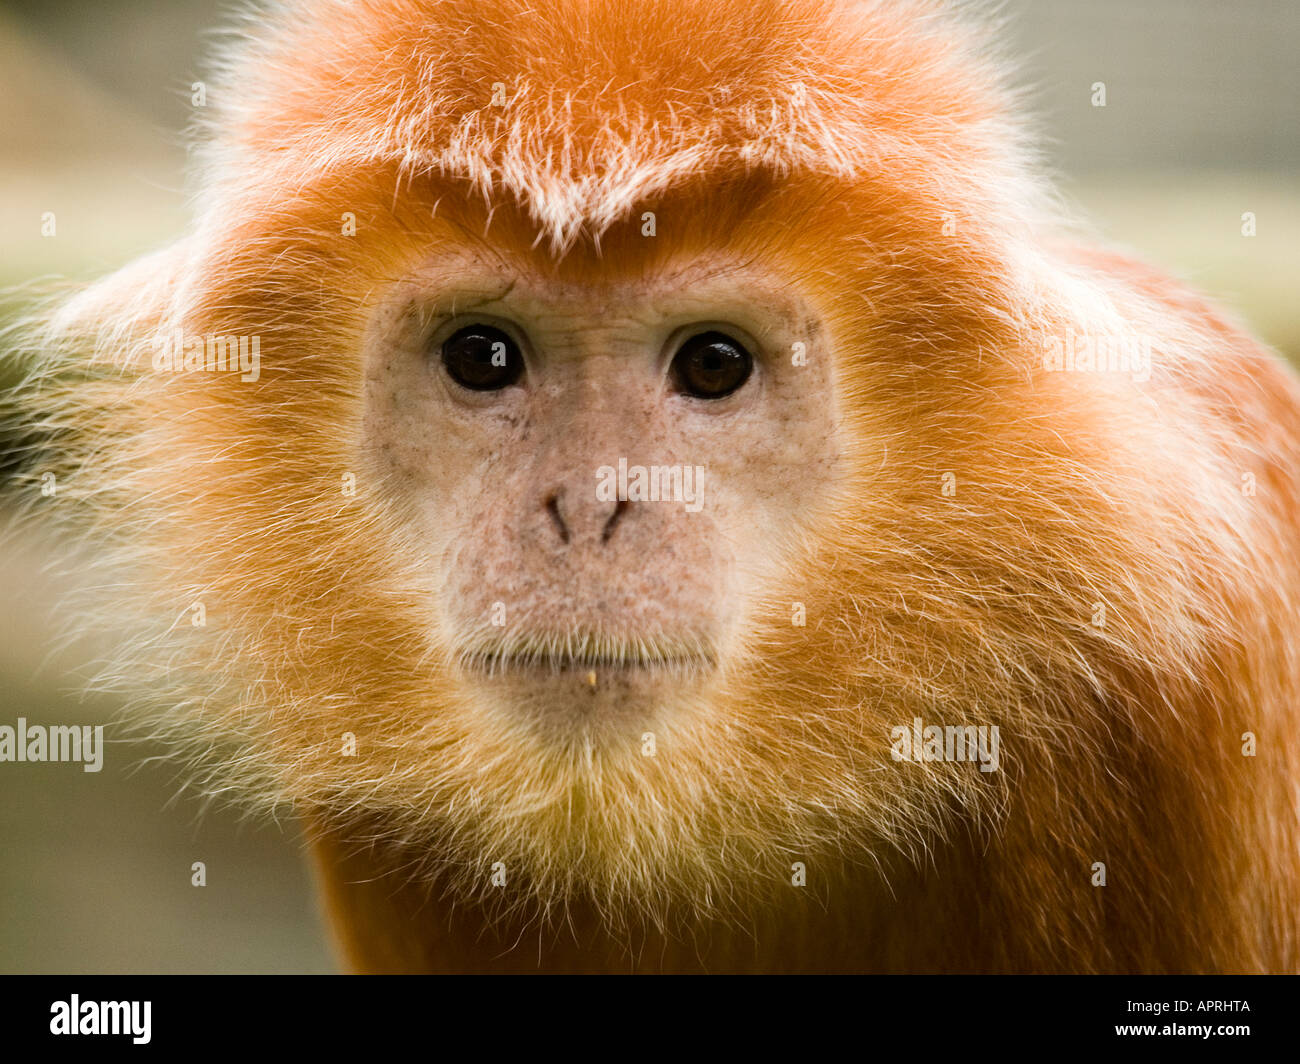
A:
(482, 358)
(711, 365)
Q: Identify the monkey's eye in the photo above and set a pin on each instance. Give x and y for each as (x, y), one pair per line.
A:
(482, 358)
(711, 365)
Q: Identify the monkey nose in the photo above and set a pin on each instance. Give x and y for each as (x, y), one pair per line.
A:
(588, 520)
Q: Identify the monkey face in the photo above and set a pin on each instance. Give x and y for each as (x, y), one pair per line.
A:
(599, 475)
(518, 482)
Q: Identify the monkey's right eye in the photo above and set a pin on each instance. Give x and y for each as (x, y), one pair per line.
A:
(482, 358)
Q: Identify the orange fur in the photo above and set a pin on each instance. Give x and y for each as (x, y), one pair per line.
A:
(870, 155)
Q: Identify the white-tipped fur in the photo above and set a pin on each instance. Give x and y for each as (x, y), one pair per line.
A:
(977, 609)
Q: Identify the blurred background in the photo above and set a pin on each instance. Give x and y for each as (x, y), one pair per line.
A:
(1201, 124)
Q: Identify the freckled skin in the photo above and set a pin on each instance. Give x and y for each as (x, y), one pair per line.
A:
(478, 469)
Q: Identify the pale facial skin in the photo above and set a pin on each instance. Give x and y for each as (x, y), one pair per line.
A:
(560, 605)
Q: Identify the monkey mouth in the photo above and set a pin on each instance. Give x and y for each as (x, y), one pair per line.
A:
(589, 658)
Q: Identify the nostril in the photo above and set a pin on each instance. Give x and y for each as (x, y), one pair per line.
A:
(553, 508)
(619, 509)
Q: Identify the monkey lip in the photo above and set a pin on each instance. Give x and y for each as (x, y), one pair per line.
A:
(586, 662)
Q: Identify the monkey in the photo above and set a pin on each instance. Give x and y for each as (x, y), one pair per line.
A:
(670, 487)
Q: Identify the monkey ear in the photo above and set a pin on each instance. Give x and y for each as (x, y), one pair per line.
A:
(65, 362)
(114, 319)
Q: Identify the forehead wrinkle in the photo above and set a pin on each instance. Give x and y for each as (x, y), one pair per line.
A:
(610, 297)
(478, 300)
(479, 273)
